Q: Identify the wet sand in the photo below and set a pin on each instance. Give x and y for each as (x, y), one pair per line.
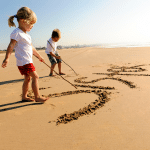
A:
(110, 109)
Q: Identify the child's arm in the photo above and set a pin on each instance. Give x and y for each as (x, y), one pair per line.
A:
(50, 47)
(35, 53)
(8, 53)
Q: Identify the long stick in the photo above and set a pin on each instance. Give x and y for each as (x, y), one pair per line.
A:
(58, 74)
(69, 66)
(61, 58)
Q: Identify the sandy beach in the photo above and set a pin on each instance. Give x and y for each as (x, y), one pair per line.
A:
(109, 110)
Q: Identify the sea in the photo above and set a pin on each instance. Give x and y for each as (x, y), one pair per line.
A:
(126, 45)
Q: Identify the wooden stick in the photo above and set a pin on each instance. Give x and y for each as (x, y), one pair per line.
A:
(69, 66)
(58, 73)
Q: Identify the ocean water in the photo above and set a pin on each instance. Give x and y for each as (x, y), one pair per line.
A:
(117, 45)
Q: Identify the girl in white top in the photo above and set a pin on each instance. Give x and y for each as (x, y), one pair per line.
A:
(21, 42)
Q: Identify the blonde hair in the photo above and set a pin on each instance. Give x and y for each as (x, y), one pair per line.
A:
(23, 13)
(56, 33)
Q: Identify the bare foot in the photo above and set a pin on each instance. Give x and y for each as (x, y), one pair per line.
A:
(52, 75)
(27, 99)
(62, 73)
(41, 99)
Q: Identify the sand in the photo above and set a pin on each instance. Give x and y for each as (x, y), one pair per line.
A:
(109, 110)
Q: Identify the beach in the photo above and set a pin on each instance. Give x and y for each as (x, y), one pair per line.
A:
(109, 110)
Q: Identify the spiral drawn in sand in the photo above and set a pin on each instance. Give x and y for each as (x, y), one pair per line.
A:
(102, 95)
(116, 71)
(92, 107)
(130, 84)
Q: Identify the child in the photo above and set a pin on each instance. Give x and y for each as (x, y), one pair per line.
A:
(21, 42)
(52, 53)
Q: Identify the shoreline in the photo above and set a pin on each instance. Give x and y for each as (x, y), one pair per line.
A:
(101, 47)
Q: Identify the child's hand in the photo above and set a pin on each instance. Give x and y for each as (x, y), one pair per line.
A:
(57, 57)
(41, 59)
(5, 62)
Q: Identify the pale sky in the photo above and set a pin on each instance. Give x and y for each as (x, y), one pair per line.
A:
(82, 21)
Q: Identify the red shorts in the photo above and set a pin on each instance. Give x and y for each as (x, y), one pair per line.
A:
(26, 69)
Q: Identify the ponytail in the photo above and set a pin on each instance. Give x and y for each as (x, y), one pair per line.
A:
(11, 21)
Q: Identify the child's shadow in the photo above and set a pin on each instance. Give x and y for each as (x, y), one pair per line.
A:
(15, 107)
(17, 80)
(19, 102)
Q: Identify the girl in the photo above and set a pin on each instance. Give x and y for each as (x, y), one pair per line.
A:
(21, 42)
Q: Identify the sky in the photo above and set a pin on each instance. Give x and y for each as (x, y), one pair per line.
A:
(81, 21)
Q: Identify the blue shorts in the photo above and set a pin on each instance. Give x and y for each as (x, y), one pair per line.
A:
(53, 60)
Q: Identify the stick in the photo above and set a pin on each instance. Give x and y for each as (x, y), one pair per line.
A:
(69, 66)
(61, 58)
(57, 73)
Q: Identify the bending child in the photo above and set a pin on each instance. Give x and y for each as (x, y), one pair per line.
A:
(24, 50)
(52, 52)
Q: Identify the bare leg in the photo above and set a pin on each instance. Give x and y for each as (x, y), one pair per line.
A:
(59, 69)
(52, 68)
(25, 89)
(35, 87)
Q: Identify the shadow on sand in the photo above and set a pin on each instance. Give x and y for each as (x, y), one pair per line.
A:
(15, 107)
(17, 80)
(19, 102)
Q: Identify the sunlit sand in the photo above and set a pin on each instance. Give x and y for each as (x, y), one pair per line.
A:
(109, 109)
